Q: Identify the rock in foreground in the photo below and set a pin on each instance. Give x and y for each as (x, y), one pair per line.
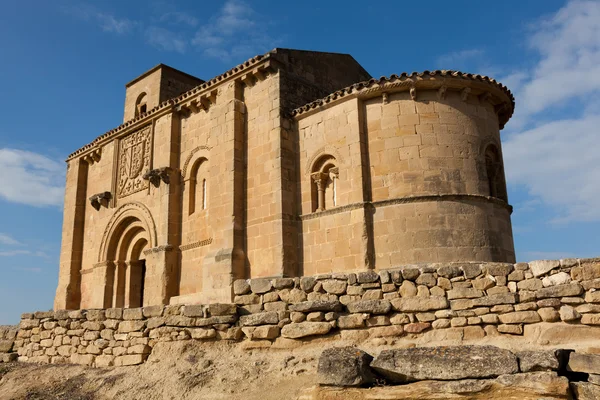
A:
(445, 363)
(345, 366)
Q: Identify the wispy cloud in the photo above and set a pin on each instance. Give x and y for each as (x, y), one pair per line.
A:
(555, 157)
(12, 253)
(106, 21)
(164, 39)
(236, 31)
(456, 59)
(178, 17)
(31, 178)
(8, 240)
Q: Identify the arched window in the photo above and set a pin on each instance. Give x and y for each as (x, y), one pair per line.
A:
(198, 193)
(140, 104)
(495, 173)
(325, 184)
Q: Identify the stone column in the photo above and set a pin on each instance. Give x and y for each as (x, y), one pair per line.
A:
(320, 179)
(104, 277)
(119, 288)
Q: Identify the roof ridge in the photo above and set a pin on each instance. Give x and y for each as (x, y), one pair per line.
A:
(402, 77)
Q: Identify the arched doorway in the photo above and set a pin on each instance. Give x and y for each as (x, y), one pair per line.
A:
(129, 234)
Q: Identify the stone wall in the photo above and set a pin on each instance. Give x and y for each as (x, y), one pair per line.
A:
(460, 300)
(7, 339)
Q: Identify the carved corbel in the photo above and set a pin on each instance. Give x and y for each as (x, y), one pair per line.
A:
(464, 94)
(100, 199)
(183, 110)
(93, 156)
(442, 92)
(195, 106)
(413, 93)
(155, 176)
(248, 79)
(385, 98)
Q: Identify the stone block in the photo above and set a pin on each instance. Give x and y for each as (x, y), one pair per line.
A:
(571, 289)
(292, 296)
(6, 346)
(335, 286)
(549, 314)
(520, 317)
(417, 327)
(344, 366)
(307, 283)
(133, 314)
(95, 315)
(541, 267)
(131, 326)
(531, 361)
(309, 306)
(247, 299)
(82, 359)
(303, 329)
(369, 306)
(283, 283)
(113, 313)
(444, 363)
(241, 287)
(153, 311)
(104, 361)
(590, 319)
(568, 313)
(419, 304)
(194, 310)
(367, 276)
(268, 332)
(587, 363)
(260, 285)
(464, 293)
(511, 329)
(585, 390)
(265, 318)
(352, 321)
(560, 278)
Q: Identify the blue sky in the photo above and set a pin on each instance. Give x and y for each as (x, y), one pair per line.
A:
(65, 63)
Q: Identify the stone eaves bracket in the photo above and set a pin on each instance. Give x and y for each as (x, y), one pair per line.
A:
(100, 199)
(155, 176)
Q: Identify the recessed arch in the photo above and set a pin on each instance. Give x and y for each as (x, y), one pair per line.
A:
(325, 151)
(495, 172)
(324, 183)
(195, 154)
(141, 104)
(121, 219)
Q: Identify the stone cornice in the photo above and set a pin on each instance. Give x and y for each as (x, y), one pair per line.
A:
(406, 200)
(442, 80)
(254, 66)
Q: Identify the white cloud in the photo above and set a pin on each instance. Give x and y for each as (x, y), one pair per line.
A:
(31, 178)
(164, 39)
(7, 240)
(553, 153)
(106, 21)
(236, 31)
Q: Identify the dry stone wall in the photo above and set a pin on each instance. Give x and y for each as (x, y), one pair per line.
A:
(462, 300)
(7, 340)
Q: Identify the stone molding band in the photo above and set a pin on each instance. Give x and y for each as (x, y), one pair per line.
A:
(407, 200)
(194, 245)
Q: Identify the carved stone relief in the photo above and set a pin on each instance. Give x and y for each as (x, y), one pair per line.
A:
(134, 160)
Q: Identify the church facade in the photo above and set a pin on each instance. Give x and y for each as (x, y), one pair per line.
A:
(293, 163)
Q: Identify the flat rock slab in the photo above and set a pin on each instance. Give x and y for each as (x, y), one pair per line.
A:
(530, 361)
(588, 363)
(445, 363)
(345, 366)
(529, 386)
(585, 391)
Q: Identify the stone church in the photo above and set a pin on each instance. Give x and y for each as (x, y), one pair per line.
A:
(293, 163)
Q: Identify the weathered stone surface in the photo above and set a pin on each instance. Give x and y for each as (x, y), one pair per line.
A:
(571, 289)
(303, 329)
(496, 299)
(268, 332)
(549, 314)
(334, 286)
(307, 283)
(292, 296)
(444, 363)
(131, 359)
(585, 391)
(590, 319)
(153, 311)
(510, 329)
(568, 313)
(367, 276)
(114, 313)
(420, 304)
(542, 267)
(133, 313)
(526, 386)
(6, 346)
(282, 283)
(82, 359)
(369, 306)
(344, 366)
(194, 310)
(260, 286)
(464, 293)
(520, 317)
(556, 279)
(309, 306)
(588, 363)
(265, 318)
(417, 327)
(531, 361)
(131, 326)
(351, 321)
(203, 333)
(241, 287)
